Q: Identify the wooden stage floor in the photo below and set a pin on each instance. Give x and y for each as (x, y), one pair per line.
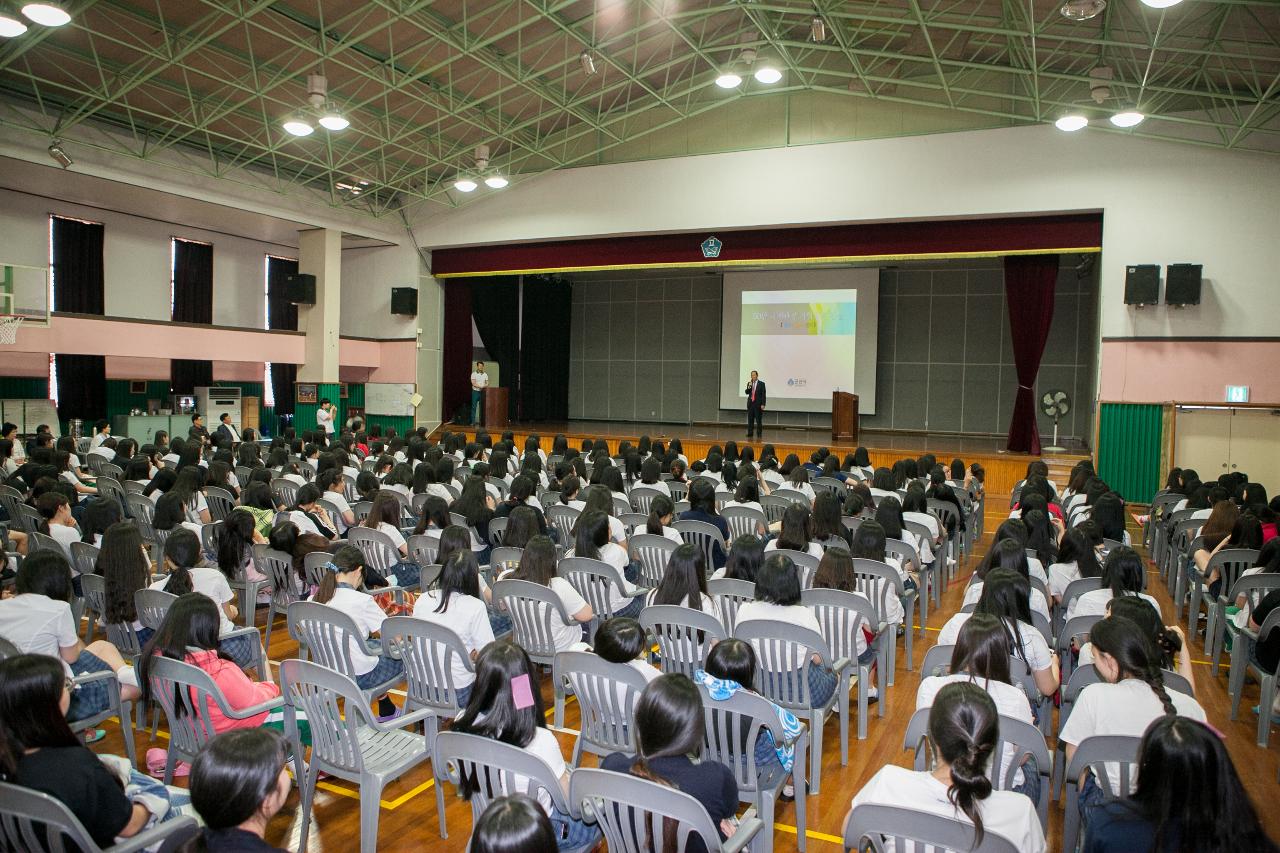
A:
(408, 820)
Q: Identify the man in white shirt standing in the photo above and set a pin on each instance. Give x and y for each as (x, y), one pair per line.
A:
(324, 416)
(479, 381)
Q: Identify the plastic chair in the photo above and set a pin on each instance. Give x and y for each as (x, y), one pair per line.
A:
(744, 521)
(109, 487)
(221, 502)
(841, 616)
(784, 656)
(729, 594)
(95, 601)
(651, 552)
(1266, 680)
(504, 559)
(633, 520)
(876, 827)
(330, 637)
(1230, 563)
(209, 536)
(705, 536)
(284, 492)
(1253, 588)
(607, 694)
(184, 692)
(493, 766)
(732, 727)
(641, 497)
(1077, 629)
(683, 635)
(423, 549)
(631, 810)
(32, 820)
(28, 518)
(531, 607)
(346, 742)
(428, 651)
(1074, 590)
(278, 566)
(360, 511)
(806, 565)
(497, 529)
(563, 517)
(791, 496)
(1098, 753)
(596, 581)
(877, 581)
(937, 661)
(907, 553)
(38, 541)
(117, 707)
(678, 490)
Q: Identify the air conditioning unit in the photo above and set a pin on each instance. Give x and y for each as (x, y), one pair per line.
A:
(214, 402)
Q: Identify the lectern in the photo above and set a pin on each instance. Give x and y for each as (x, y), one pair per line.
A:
(844, 416)
(495, 407)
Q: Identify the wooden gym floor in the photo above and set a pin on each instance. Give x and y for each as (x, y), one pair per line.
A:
(409, 822)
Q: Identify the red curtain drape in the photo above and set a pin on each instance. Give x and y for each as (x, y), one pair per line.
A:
(1029, 283)
(455, 387)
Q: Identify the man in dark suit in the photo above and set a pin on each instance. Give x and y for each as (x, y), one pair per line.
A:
(226, 432)
(198, 432)
(755, 404)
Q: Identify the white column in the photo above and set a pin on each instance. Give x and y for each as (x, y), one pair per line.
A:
(320, 255)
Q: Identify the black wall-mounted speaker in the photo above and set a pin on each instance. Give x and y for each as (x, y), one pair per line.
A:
(1142, 284)
(404, 300)
(1182, 284)
(300, 289)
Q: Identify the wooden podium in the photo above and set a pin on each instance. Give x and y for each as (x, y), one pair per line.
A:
(844, 416)
(494, 407)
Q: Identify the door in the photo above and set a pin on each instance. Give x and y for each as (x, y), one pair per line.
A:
(1255, 446)
(1202, 441)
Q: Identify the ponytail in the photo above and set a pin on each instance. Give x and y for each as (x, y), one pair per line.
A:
(182, 551)
(1135, 654)
(328, 586)
(963, 727)
(660, 506)
(346, 559)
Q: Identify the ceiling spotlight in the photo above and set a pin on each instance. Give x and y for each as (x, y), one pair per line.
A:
(46, 13)
(59, 155)
(1082, 10)
(10, 27)
(1160, 4)
(297, 125)
(464, 184)
(495, 182)
(334, 120)
(1072, 122)
(767, 71)
(1127, 118)
(729, 78)
(818, 30)
(588, 63)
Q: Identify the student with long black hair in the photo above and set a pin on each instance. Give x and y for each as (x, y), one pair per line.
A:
(746, 556)
(506, 705)
(868, 544)
(239, 782)
(513, 824)
(1005, 554)
(662, 513)
(1078, 557)
(125, 569)
(455, 602)
(963, 727)
(591, 540)
(1168, 641)
(1123, 573)
(670, 731)
(684, 583)
(702, 507)
(828, 526)
(796, 532)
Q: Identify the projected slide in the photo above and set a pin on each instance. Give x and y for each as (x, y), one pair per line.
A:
(802, 341)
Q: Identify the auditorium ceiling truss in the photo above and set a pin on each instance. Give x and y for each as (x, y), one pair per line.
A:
(204, 85)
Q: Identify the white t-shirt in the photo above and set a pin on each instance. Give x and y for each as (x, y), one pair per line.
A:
(796, 614)
(1124, 708)
(324, 420)
(545, 746)
(65, 536)
(105, 452)
(615, 556)
(467, 617)
(1004, 813)
(814, 548)
(708, 606)
(568, 635)
(1060, 576)
(1035, 649)
(748, 504)
(38, 625)
(394, 532)
(303, 523)
(1094, 603)
(1010, 702)
(98, 438)
(1038, 603)
(479, 380)
(660, 486)
(368, 617)
(211, 583)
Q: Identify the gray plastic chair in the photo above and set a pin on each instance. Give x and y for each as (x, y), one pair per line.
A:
(829, 484)
(784, 655)
(284, 492)
(221, 502)
(423, 549)
(1077, 629)
(346, 742)
(116, 707)
(329, 635)
(841, 616)
(360, 510)
(278, 566)
(595, 581)
(379, 551)
(877, 581)
(791, 496)
(937, 661)
(1231, 563)
(907, 553)
(806, 565)
(503, 559)
(1266, 680)
(651, 552)
(563, 517)
(37, 541)
(729, 594)
(184, 692)
(153, 604)
(705, 536)
(732, 728)
(32, 820)
(1253, 588)
(875, 827)
(683, 635)
(493, 766)
(633, 520)
(531, 607)
(607, 694)
(109, 487)
(678, 491)
(428, 651)
(95, 602)
(632, 812)
(641, 496)
(497, 530)
(1074, 590)
(1096, 753)
(744, 521)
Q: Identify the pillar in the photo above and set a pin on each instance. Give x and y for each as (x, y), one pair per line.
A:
(320, 255)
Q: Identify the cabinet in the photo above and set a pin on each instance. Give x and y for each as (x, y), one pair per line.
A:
(1221, 440)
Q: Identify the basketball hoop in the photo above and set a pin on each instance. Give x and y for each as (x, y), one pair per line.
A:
(9, 324)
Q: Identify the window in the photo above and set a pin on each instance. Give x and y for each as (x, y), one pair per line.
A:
(190, 281)
(76, 283)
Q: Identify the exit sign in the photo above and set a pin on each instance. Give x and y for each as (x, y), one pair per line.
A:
(1237, 393)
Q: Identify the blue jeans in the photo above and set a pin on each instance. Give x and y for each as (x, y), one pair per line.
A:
(1091, 794)
(572, 833)
(475, 407)
(93, 697)
(1031, 780)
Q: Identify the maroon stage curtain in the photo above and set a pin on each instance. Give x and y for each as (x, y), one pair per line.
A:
(1029, 284)
(455, 360)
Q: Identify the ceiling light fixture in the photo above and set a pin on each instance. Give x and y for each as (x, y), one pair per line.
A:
(818, 30)
(588, 62)
(297, 125)
(767, 71)
(1071, 122)
(730, 77)
(47, 13)
(495, 182)
(1127, 118)
(1160, 4)
(1082, 10)
(60, 156)
(464, 184)
(319, 110)
(334, 120)
(11, 27)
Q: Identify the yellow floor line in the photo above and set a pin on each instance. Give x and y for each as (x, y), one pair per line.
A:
(809, 833)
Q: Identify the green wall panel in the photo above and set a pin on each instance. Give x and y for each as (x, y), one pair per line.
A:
(1129, 442)
(120, 400)
(24, 388)
(304, 414)
(400, 423)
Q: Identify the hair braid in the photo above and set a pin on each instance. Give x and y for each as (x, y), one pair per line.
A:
(1155, 679)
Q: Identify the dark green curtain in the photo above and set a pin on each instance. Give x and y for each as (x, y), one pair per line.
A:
(78, 284)
(544, 357)
(495, 308)
(192, 282)
(187, 374)
(82, 386)
(281, 313)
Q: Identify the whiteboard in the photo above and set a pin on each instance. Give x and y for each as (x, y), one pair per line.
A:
(29, 414)
(388, 398)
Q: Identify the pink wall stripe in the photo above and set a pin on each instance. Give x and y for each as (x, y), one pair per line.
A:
(1188, 371)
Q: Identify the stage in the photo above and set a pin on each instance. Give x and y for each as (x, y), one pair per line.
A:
(1004, 469)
